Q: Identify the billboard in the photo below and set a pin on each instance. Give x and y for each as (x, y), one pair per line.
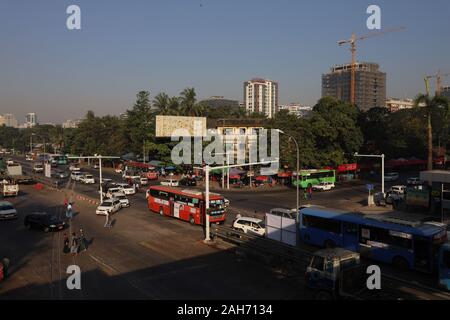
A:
(166, 126)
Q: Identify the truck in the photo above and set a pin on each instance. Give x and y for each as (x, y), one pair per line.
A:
(14, 170)
(337, 274)
(16, 175)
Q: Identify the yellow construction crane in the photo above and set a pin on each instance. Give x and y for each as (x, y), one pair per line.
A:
(352, 42)
(438, 78)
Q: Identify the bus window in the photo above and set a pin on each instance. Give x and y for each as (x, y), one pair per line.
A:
(322, 224)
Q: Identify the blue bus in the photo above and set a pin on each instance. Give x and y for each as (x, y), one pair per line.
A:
(408, 245)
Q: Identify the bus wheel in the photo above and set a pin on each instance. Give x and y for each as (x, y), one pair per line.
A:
(400, 264)
(191, 220)
(323, 295)
(161, 211)
(329, 244)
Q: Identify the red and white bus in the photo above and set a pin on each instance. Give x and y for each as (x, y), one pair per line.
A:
(187, 205)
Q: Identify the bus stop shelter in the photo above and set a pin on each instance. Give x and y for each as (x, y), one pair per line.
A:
(441, 177)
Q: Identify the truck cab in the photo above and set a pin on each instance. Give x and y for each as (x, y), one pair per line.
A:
(335, 273)
(444, 266)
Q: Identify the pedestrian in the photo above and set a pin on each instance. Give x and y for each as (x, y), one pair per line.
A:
(69, 211)
(82, 241)
(310, 193)
(66, 248)
(107, 223)
(74, 244)
(66, 201)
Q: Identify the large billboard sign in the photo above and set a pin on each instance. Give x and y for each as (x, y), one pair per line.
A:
(167, 126)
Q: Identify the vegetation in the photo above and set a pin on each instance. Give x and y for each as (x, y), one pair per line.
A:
(329, 136)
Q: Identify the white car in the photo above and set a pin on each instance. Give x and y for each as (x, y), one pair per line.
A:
(391, 176)
(170, 183)
(250, 226)
(87, 179)
(38, 168)
(76, 175)
(324, 186)
(7, 211)
(9, 162)
(398, 189)
(108, 206)
(74, 167)
(126, 188)
(226, 202)
(143, 181)
(114, 190)
(122, 198)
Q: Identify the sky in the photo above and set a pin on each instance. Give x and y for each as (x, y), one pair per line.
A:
(212, 45)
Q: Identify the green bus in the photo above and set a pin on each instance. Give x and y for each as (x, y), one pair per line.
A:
(309, 178)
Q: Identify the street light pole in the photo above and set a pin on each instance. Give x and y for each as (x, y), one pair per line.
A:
(298, 170)
(207, 237)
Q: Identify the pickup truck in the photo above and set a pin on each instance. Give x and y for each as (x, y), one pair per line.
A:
(337, 273)
(38, 168)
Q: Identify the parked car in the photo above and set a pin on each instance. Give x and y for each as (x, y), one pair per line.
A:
(143, 181)
(28, 157)
(7, 211)
(87, 179)
(124, 202)
(43, 221)
(38, 168)
(391, 176)
(74, 167)
(126, 188)
(250, 225)
(108, 206)
(170, 183)
(414, 181)
(9, 162)
(76, 175)
(324, 186)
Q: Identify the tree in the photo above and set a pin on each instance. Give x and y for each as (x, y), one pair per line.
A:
(434, 105)
(189, 105)
(161, 104)
(140, 122)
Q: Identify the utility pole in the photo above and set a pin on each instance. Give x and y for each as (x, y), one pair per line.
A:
(382, 165)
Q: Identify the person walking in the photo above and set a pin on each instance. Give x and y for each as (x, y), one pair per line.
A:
(82, 241)
(69, 213)
(310, 191)
(66, 248)
(107, 222)
(74, 244)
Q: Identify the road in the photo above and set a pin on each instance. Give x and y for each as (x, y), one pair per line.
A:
(146, 256)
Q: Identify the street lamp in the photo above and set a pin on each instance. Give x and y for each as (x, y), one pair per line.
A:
(382, 164)
(298, 167)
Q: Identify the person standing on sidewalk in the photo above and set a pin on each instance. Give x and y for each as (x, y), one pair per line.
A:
(66, 248)
(82, 241)
(74, 244)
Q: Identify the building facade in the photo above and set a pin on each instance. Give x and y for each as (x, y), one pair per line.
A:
(445, 91)
(9, 120)
(394, 104)
(261, 95)
(30, 120)
(297, 109)
(370, 85)
(71, 124)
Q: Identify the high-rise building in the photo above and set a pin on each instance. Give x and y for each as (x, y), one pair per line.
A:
(2, 120)
(445, 91)
(30, 120)
(10, 120)
(370, 85)
(261, 95)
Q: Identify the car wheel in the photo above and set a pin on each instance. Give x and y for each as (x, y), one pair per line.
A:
(192, 220)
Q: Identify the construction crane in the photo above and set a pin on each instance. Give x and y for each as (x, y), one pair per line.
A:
(352, 42)
(438, 78)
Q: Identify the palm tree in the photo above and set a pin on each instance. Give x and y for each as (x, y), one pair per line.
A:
(174, 106)
(432, 105)
(188, 101)
(161, 103)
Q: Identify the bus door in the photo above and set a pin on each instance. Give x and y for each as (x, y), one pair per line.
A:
(422, 253)
(350, 236)
(176, 209)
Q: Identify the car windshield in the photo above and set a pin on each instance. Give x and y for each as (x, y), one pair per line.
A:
(88, 177)
(106, 204)
(52, 218)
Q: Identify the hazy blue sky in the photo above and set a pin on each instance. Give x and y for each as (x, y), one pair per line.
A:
(212, 45)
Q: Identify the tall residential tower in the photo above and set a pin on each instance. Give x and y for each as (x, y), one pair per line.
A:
(261, 95)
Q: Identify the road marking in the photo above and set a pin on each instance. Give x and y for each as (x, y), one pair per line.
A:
(111, 271)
